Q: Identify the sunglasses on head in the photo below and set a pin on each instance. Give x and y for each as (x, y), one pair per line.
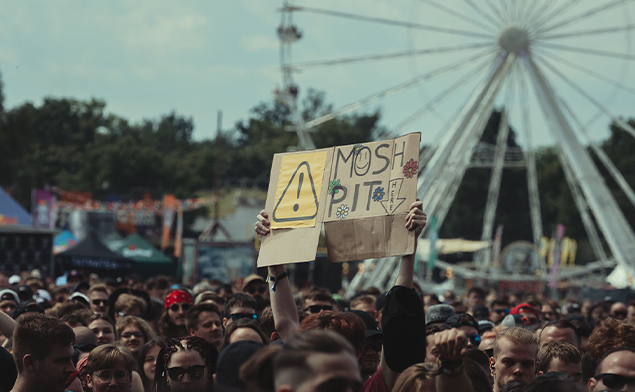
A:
(614, 381)
(317, 308)
(259, 289)
(376, 345)
(100, 302)
(475, 340)
(250, 316)
(183, 305)
(195, 372)
(500, 311)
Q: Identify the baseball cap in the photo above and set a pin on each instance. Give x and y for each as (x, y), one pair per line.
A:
(484, 326)
(371, 325)
(81, 297)
(524, 308)
(27, 307)
(462, 320)
(439, 313)
(252, 278)
(10, 295)
(228, 365)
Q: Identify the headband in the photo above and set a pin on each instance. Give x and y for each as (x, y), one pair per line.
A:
(177, 296)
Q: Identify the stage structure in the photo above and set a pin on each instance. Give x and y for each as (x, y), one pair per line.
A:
(513, 54)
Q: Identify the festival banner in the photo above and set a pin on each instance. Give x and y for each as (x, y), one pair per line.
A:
(169, 203)
(43, 205)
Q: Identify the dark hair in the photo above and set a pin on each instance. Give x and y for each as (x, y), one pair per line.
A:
(477, 375)
(159, 283)
(191, 318)
(143, 351)
(317, 294)
(36, 333)
(102, 316)
(552, 382)
(206, 350)
(499, 302)
(609, 335)
(436, 328)
(239, 300)
(69, 306)
(588, 368)
(478, 291)
(349, 325)
(242, 323)
(564, 351)
(259, 371)
(108, 356)
(77, 317)
(266, 321)
(581, 328)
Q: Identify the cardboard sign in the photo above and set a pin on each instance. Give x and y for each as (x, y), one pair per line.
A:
(361, 192)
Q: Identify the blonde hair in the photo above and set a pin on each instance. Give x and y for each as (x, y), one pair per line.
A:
(518, 335)
(138, 322)
(415, 379)
(127, 302)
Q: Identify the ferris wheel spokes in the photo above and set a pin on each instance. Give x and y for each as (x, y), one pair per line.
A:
(481, 12)
(542, 18)
(593, 12)
(581, 33)
(466, 18)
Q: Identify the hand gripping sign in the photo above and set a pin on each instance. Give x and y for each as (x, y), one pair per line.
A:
(360, 192)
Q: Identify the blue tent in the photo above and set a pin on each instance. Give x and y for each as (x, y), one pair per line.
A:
(11, 212)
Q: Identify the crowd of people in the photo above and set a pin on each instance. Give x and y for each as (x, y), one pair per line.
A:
(262, 335)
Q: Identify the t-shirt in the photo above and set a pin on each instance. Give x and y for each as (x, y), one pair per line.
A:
(376, 383)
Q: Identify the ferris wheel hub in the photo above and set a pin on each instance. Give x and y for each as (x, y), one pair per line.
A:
(514, 39)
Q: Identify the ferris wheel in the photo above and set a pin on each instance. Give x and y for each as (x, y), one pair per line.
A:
(559, 68)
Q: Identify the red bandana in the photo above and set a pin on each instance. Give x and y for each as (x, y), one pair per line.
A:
(177, 296)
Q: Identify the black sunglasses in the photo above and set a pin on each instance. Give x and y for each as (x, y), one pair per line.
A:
(499, 311)
(259, 289)
(195, 372)
(475, 339)
(250, 316)
(614, 381)
(376, 345)
(317, 308)
(182, 305)
(100, 302)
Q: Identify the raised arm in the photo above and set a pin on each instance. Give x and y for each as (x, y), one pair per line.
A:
(452, 347)
(415, 220)
(285, 313)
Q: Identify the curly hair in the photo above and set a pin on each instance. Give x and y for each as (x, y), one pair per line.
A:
(609, 335)
(191, 343)
(348, 325)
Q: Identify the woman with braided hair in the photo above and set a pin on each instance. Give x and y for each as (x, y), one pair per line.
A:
(185, 364)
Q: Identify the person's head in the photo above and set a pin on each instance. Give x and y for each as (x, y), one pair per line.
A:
(526, 311)
(430, 300)
(185, 364)
(129, 305)
(147, 360)
(498, 310)
(177, 303)
(205, 321)
(133, 333)
(561, 357)
(239, 306)
(438, 314)
(109, 368)
(459, 307)
(609, 335)
(630, 312)
(85, 341)
(365, 303)
(256, 286)
(157, 287)
(310, 361)
(43, 352)
(373, 344)
(98, 296)
(103, 327)
(549, 311)
(432, 355)
(481, 313)
(618, 311)
(514, 359)
(209, 296)
(475, 297)
(317, 300)
(560, 331)
(467, 324)
(415, 379)
(615, 371)
(9, 300)
(227, 377)
(348, 325)
(243, 329)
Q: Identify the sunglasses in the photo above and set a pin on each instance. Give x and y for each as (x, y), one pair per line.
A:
(501, 311)
(475, 340)
(128, 335)
(317, 308)
(259, 289)
(100, 302)
(376, 345)
(195, 372)
(175, 307)
(250, 316)
(614, 381)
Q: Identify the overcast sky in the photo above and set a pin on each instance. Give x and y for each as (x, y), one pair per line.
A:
(148, 57)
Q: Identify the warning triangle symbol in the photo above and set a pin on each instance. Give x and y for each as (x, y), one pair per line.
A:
(298, 201)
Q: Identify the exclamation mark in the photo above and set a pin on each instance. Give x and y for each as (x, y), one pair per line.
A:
(300, 180)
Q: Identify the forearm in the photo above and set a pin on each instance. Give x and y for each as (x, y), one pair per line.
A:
(285, 313)
(406, 271)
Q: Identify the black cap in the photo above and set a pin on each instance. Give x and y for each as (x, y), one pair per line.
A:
(371, 325)
(481, 311)
(462, 320)
(228, 365)
(27, 307)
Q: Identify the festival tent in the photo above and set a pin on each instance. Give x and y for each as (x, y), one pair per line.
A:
(113, 241)
(149, 261)
(63, 241)
(93, 256)
(11, 212)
